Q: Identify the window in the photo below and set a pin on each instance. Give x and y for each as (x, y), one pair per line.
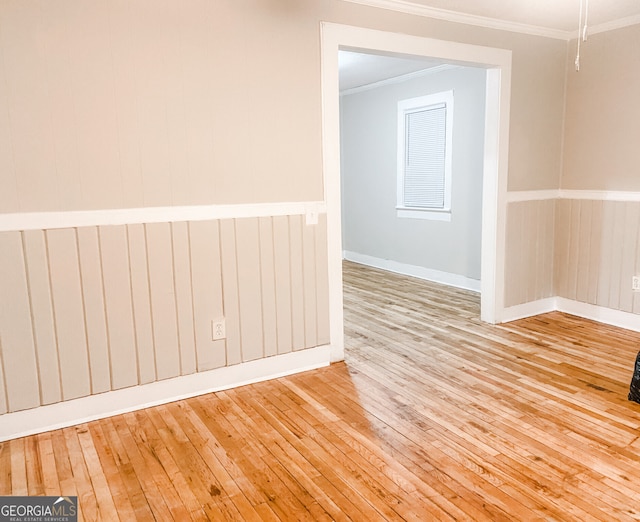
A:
(424, 156)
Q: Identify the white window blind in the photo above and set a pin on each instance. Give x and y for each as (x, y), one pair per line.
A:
(424, 156)
(424, 169)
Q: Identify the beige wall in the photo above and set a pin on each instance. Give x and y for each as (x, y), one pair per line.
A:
(142, 103)
(601, 149)
(594, 241)
(151, 103)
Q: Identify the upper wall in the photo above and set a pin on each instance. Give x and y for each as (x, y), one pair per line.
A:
(142, 103)
(152, 103)
(603, 109)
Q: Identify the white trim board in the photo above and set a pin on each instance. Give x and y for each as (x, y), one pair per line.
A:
(600, 314)
(93, 407)
(128, 216)
(593, 195)
(542, 306)
(420, 272)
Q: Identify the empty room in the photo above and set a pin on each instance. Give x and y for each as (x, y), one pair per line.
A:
(319, 260)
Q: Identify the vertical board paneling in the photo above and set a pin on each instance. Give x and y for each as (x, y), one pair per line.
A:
(163, 300)
(297, 282)
(636, 271)
(141, 302)
(282, 266)
(322, 280)
(535, 257)
(534, 250)
(563, 228)
(531, 240)
(513, 280)
(249, 288)
(117, 293)
(603, 255)
(206, 272)
(184, 302)
(606, 253)
(4, 407)
(628, 249)
(94, 311)
(574, 248)
(18, 350)
(115, 306)
(44, 332)
(230, 290)
(548, 218)
(595, 243)
(309, 278)
(616, 255)
(268, 287)
(584, 248)
(66, 291)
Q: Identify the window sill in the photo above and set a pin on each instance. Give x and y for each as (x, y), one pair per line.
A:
(433, 215)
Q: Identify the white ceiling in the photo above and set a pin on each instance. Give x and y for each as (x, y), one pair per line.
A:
(358, 69)
(551, 14)
(555, 18)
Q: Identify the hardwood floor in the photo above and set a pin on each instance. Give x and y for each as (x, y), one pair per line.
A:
(433, 416)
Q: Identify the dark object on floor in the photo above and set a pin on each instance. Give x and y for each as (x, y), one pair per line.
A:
(634, 390)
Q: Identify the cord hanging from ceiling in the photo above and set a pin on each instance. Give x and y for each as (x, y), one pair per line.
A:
(583, 20)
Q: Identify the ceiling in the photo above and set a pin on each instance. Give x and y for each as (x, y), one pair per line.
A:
(358, 69)
(555, 18)
(551, 15)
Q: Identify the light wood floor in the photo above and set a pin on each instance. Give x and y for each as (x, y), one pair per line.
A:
(433, 416)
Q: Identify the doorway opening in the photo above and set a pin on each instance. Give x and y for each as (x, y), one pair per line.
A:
(412, 197)
(497, 63)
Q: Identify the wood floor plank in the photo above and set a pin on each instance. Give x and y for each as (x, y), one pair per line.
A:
(433, 415)
(5, 468)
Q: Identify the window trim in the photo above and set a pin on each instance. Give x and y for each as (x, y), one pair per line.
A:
(414, 105)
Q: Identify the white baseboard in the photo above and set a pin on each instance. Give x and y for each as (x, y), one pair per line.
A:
(85, 409)
(521, 311)
(419, 272)
(601, 314)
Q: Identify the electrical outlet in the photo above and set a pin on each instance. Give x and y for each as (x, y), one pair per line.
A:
(635, 283)
(218, 330)
(312, 216)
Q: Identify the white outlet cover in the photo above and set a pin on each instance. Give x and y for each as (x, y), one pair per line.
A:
(218, 330)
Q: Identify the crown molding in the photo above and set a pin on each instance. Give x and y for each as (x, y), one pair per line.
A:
(610, 26)
(403, 6)
(399, 79)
